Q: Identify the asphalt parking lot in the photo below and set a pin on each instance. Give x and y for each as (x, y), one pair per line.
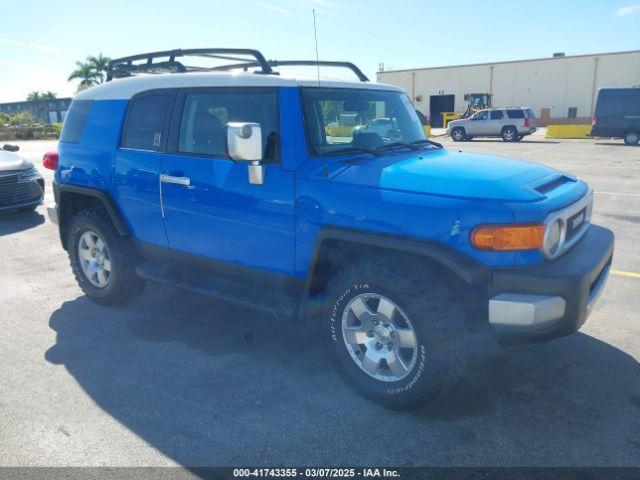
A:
(169, 380)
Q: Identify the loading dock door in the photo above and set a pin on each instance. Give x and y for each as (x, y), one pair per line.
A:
(437, 105)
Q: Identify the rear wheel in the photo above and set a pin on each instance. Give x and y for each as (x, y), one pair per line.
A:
(102, 261)
(631, 138)
(394, 335)
(458, 134)
(509, 134)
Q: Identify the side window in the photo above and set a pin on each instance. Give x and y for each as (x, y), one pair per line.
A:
(75, 120)
(497, 115)
(145, 122)
(483, 115)
(515, 113)
(203, 126)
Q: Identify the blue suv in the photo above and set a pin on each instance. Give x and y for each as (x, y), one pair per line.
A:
(243, 183)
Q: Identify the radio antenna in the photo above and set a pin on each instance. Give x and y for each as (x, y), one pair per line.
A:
(315, 37)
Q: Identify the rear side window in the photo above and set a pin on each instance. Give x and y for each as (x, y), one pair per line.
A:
(497, 115)
(618, 103)
(145, 122)
(75, 120)
(515, 113)
(203, 126)
(529, 113)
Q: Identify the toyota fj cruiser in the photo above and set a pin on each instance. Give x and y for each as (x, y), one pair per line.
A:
(256, 187)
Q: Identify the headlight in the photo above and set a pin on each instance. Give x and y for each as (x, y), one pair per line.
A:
(552, 237)
(31, 172)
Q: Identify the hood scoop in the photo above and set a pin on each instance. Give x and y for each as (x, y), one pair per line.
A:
(550, 183)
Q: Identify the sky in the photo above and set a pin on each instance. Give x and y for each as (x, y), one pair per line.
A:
(40, 41)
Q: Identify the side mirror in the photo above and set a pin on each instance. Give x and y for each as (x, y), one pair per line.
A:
(244, 142)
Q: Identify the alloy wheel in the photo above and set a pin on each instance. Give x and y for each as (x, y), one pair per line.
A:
(379, 337)
(95, 259)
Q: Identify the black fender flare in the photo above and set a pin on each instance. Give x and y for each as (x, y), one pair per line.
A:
(114, 213)
(466, 268)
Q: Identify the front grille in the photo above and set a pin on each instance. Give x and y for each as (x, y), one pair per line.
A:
(13, 192)
(8, 177)
(575, 222)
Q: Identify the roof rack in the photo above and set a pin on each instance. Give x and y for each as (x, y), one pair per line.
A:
(288, 63)
(124, 67)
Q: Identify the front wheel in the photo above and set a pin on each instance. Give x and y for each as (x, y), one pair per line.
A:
(102, 261)
(458, 134)
(631, 138)
(394, 336)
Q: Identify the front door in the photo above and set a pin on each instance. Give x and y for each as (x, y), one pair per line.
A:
(478, 123)
(210, 209)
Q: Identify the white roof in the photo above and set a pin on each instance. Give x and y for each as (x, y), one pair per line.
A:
(125, 88)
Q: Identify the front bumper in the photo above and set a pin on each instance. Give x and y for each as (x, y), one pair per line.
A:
(554, 298)
(21, 193)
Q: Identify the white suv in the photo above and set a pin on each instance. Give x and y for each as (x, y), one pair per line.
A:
(509, 123)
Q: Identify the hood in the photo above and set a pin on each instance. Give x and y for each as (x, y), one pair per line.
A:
(451, 173)
(13, 161)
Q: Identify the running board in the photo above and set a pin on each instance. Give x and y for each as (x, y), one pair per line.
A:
(280, 305)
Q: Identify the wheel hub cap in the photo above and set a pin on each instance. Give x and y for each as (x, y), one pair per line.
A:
(379, 337)
(95, 259)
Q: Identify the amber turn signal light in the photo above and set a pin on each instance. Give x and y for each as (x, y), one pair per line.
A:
(508, 237)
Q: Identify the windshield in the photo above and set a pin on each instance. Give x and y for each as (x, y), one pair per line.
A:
(341, 120)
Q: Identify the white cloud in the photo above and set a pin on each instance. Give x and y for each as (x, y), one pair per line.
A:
(25, 44)
(274, 8)
(628, 10)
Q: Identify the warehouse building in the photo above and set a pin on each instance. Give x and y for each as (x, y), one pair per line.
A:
(46, 111)
(560, 89)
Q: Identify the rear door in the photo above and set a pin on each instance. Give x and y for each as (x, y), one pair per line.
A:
(211, 211)
(496, 121)
(137, 164)
(515, 117)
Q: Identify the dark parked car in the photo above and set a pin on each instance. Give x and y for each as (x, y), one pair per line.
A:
(21, 186)
(617, 114)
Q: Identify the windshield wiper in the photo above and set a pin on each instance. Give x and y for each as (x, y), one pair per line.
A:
(426, 140)
(398, 144)
(375, 152)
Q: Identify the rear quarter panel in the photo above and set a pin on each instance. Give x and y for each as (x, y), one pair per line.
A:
(90, 161)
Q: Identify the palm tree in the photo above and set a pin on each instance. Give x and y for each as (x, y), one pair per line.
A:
(86, 74)
(34, 96)
(48, 95)
(100, 65)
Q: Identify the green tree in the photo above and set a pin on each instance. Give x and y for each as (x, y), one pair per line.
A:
(35, 95)
(86, 74)
(100, 65)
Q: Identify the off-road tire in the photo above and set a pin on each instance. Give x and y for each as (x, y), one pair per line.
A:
(458, 134)
(124, 283)
(437, 316)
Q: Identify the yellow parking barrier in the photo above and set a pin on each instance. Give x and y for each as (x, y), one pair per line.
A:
(568, 131)
(427, 130)
(447, 117)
